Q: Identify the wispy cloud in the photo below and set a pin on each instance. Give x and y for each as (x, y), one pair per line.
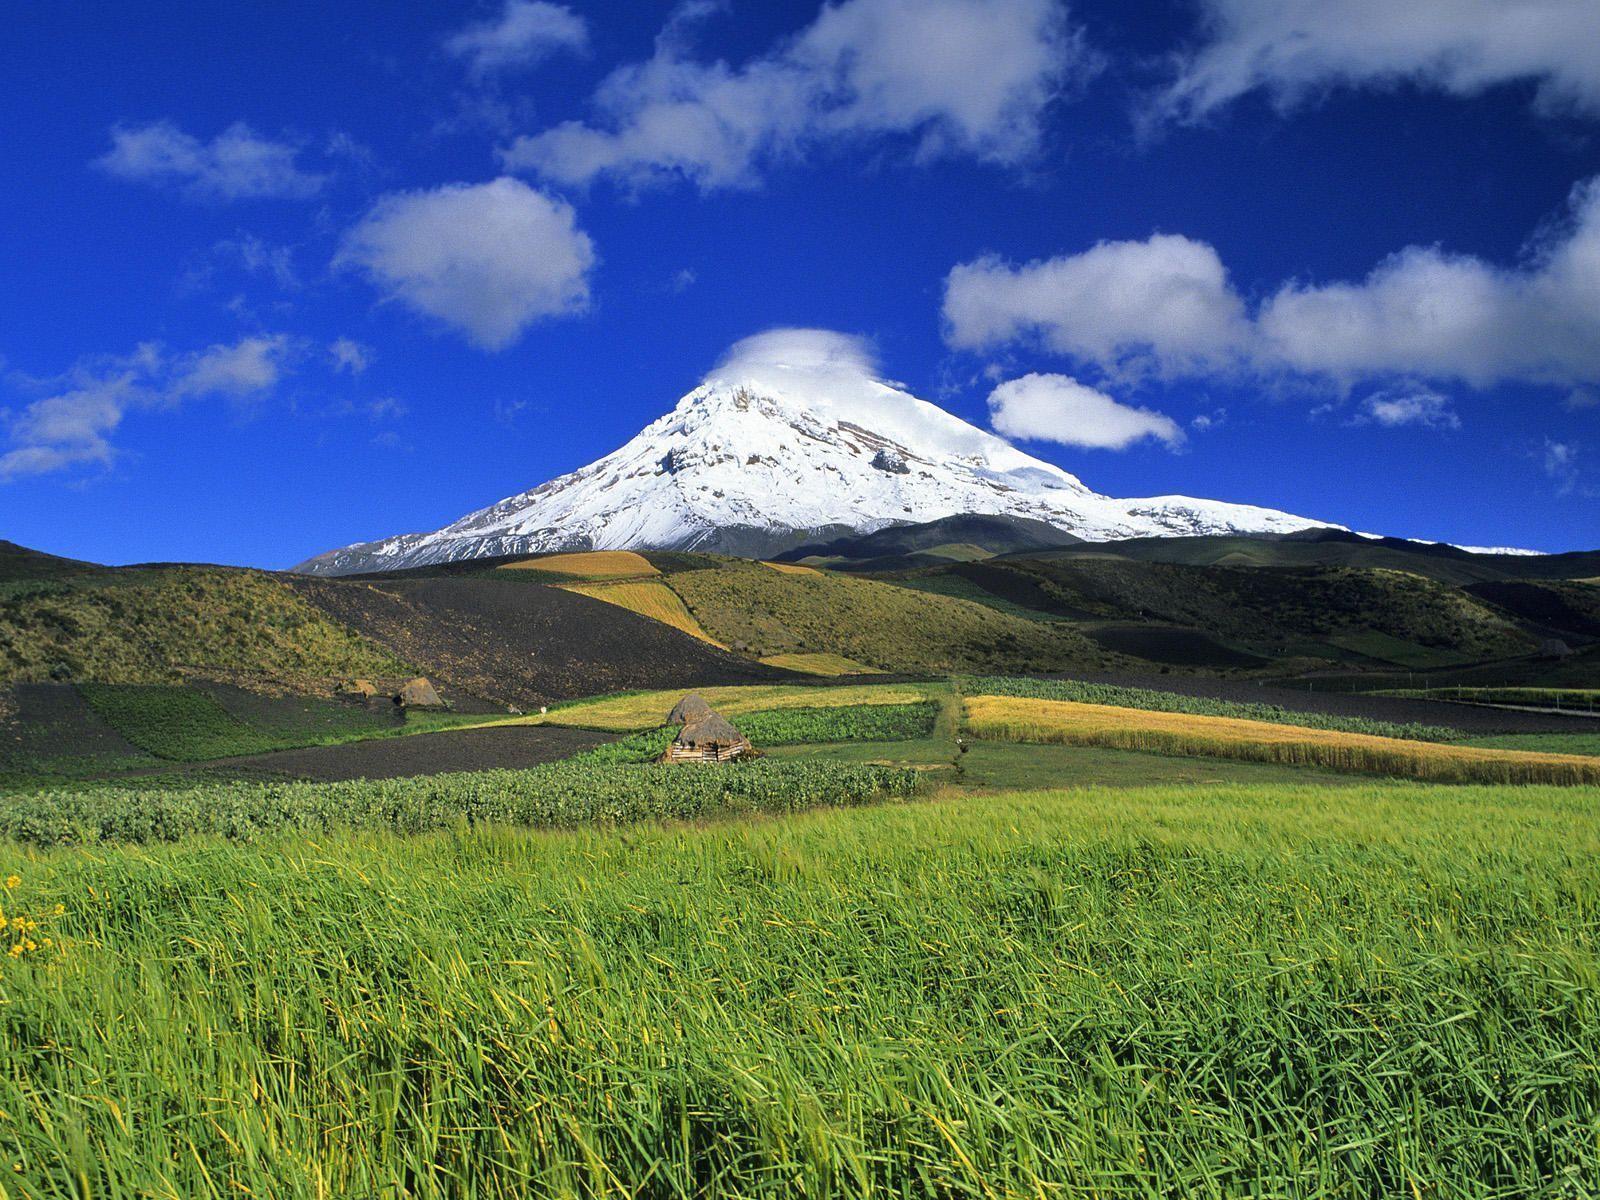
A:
(349, 355)
(1296, 49)
(1420, 406)
(1561, 464)
(74, 424)
(237, 164)
(521, 34)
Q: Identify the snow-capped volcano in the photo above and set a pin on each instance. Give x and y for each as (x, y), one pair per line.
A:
(792, 438)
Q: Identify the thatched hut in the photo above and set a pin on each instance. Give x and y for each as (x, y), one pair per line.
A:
(691, 708)
(706, 736)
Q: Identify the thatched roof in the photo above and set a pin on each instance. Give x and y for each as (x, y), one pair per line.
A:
(708, 728)
(690, 708)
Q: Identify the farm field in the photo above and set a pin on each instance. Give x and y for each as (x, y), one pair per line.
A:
(1552, 743)
(651, 599)
(920, 945)
(590, 564)
(1153, 991)
(1013, 719)
(1586, 700)
(1013, 766)
(648, 710)
(63, 733)
(819, 664)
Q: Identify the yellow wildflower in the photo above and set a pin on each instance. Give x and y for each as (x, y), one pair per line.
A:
(13, 881)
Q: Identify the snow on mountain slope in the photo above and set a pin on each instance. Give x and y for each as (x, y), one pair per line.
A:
(790, 438)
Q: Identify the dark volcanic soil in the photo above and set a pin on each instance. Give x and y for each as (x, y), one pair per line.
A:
(520, 643)
(1465, 717)
(1168, 644)
(506, 747)
(52, 721)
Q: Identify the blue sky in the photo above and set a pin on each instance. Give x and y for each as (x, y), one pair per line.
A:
(281, 278)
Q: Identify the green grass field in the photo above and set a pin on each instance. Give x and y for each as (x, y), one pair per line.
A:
(1384, 990)
(1580, 699)
(867, 964)
(1548, 743)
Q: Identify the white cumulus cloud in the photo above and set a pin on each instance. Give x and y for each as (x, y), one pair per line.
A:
(488, 259)
(1422, 313)
(1167, 298)
(237, 164)
(523, 33)
(968, 77)
(1292, 49)
(1057, 408)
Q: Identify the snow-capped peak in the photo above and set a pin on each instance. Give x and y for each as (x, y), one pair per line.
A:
(793, 436)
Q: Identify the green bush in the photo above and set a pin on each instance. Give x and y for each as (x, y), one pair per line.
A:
(1199, 706)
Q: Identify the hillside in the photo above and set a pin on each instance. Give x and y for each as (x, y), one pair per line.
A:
(762, 612)
(1339, 548)
(526, 644)
(1193, 615)
(166, 625)
(968, 535)
(18, 564)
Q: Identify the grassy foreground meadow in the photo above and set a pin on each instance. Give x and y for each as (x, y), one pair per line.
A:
(1386, 990)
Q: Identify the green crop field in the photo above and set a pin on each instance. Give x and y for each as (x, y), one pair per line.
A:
(864, 964)
(863, 723)
(1385, 990)
(1547, 743)
(1580, 699)
(573, 792)
(790, 727)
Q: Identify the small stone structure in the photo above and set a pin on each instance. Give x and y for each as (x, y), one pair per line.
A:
(418, 693)
(402, 693)
(705, 737)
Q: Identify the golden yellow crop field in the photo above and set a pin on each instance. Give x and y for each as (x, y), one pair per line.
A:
(792, 568)
(648, 710)
(590, 564)
(649, 598)
(820, 664)
(1069, 723)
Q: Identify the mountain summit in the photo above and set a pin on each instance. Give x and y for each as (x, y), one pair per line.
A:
(790, 440)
